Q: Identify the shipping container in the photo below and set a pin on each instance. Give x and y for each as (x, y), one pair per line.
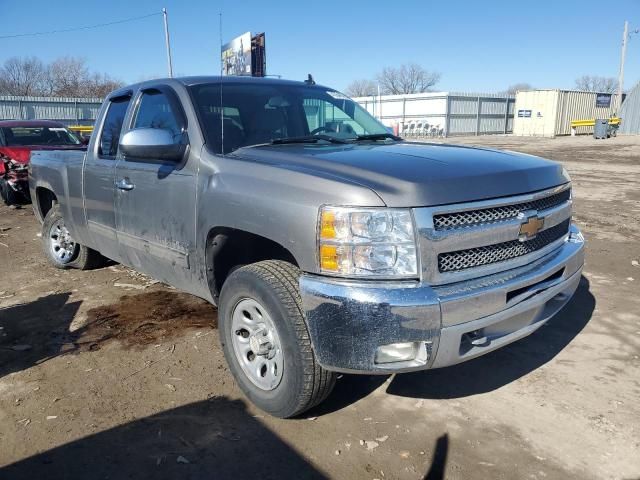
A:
(547, 113)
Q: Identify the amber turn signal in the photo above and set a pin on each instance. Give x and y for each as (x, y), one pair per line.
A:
(329, 257)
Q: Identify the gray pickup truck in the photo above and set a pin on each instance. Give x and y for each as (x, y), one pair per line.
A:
(328, 244)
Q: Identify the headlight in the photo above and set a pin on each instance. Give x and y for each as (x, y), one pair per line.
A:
(376, 242)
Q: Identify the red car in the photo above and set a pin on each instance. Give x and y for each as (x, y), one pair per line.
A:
(18, 138)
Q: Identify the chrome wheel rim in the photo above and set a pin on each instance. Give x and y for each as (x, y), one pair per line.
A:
(256, 344)
(62, 245)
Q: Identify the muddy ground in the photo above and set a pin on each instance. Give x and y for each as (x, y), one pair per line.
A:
(108, 374)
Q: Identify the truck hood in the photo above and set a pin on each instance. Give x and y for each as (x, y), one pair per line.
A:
(414, 175)
(22, 154)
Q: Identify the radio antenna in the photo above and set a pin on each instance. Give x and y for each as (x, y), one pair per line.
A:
(221, 84)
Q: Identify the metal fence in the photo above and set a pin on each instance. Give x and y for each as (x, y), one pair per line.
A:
(68, 110)
(443, 113)
(630, 112)
(423, 114)
(479, 114)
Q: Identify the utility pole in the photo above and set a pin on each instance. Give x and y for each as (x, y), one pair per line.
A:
(166, 38)
(625, 37)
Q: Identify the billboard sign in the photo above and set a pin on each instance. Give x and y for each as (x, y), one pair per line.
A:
(236, 56)
(258, 56)
(603, 100)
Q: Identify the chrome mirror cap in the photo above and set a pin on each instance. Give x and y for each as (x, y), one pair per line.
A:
(152, 144)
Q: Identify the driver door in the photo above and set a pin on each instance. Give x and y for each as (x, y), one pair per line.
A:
(155, 199)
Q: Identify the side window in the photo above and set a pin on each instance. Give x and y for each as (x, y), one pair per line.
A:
(323, 116)
(155, 111)
(110, 136)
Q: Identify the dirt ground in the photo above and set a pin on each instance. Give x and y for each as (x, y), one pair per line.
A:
(108, 374)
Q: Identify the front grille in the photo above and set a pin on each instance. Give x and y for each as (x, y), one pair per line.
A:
(449, 221)
(476, 257)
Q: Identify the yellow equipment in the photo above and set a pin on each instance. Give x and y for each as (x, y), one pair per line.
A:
(613, 121)
(81, 129)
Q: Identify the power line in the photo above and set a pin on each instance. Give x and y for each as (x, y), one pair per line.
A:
(88, 27)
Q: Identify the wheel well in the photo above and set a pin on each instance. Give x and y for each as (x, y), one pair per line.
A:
(46, 200)
(228, 248)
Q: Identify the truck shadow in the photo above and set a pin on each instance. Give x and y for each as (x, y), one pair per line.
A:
(349, 389)
(32, 333)
(503, 366)
(215, 438)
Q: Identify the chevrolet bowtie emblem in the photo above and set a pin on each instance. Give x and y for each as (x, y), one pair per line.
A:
(530, 227)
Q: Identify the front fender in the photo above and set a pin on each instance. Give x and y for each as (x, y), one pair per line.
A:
(271, 201)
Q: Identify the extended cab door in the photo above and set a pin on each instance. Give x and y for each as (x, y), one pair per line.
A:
(98, 177)
(156, 198)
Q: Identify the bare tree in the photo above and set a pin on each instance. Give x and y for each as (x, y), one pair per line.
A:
(100, 85)
(65, 76)
(22, 76)
(362, 88)
(408, 78)
(594, 83)
(512, 89)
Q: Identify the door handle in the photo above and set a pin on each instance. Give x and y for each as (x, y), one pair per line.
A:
(125, 185)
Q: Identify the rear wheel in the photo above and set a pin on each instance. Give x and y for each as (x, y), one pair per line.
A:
(61, 249)
(266, 342)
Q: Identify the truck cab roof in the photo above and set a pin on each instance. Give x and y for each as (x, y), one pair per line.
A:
(190, 81)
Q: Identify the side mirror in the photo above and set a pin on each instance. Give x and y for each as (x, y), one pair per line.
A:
(152, 144)
(84, 140)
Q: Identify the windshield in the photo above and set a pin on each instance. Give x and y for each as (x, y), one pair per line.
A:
(29, 136)
(256, 114)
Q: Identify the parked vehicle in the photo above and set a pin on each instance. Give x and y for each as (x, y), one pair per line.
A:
(17, 140)
(327, 243)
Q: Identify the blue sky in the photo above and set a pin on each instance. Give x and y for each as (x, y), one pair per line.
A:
(476, 45)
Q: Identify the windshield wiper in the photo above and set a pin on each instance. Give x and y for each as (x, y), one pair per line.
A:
(307, 139)
(378, 136)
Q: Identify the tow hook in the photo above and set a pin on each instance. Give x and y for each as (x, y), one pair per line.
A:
(478, 339)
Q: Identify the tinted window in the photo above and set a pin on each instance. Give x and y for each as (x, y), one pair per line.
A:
(259, 113)
(155, 111)
(110, 137)
(323, 116)
(25, 136)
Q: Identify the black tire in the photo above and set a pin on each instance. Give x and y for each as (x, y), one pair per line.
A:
(274, 285)
(83, 258)
(9, 195)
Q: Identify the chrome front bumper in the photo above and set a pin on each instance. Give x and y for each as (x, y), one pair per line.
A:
(349, 320)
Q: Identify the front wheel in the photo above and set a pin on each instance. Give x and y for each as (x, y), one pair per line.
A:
(266, 342)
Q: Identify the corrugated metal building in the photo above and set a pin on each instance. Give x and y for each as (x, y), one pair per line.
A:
(547, 113)
(454, 113)
(630, 112)
(68, 110)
